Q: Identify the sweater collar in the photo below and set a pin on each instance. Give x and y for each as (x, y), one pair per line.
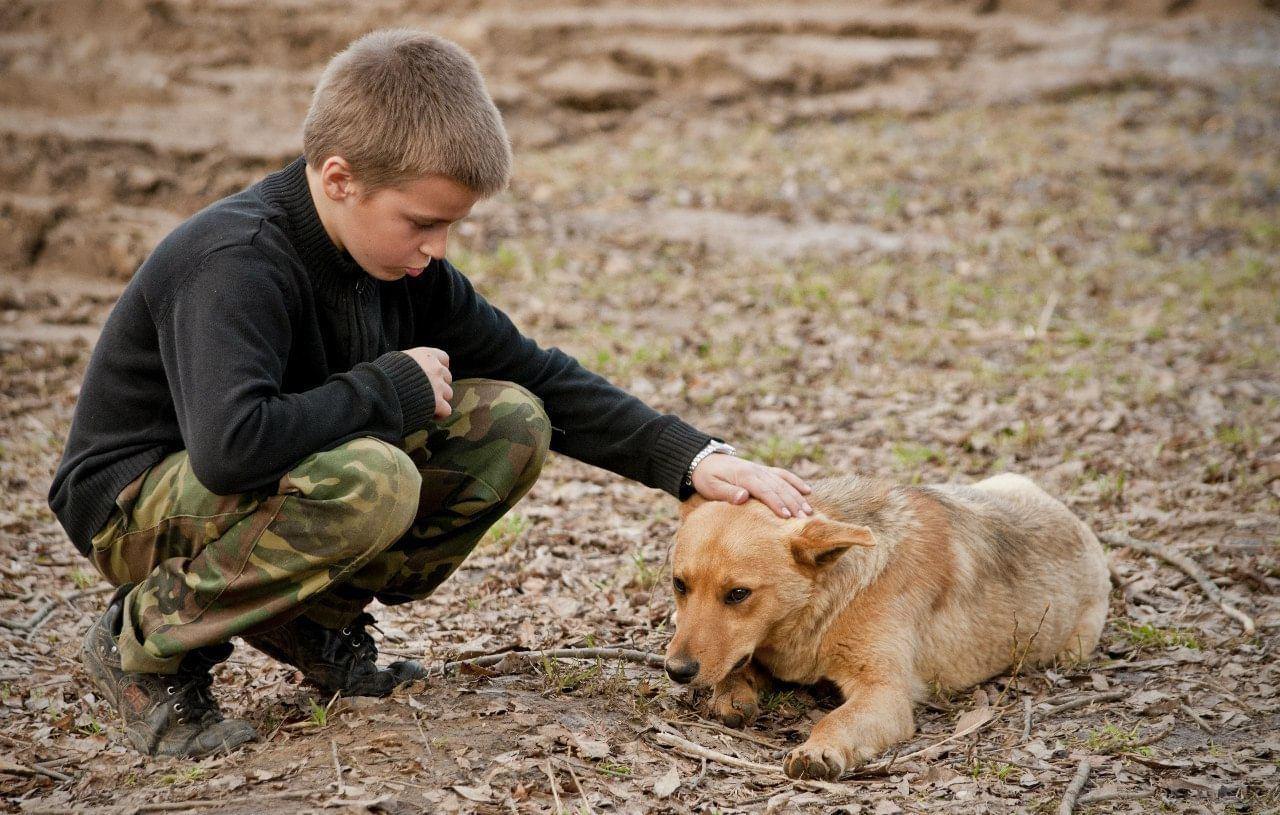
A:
(329, 265)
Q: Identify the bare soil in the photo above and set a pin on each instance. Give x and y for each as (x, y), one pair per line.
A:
(926, 241)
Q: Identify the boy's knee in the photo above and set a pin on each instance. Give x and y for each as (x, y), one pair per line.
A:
(366, 475)
(509, 414)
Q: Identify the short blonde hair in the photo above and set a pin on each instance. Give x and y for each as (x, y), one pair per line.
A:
(398, 105)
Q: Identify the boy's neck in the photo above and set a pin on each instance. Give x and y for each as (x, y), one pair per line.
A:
(323, 207)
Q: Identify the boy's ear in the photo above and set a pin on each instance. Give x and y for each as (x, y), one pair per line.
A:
(690, 504)
(821, 541)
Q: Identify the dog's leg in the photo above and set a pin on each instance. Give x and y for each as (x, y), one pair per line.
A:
(872, 718)
(736, 700)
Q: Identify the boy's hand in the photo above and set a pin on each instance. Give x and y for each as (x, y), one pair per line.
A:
(720, 477)
(435, 364)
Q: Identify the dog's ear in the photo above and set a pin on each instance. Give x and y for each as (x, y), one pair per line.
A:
(821, 541)
(690, 504)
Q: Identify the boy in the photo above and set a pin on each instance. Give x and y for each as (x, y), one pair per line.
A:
(270, 433)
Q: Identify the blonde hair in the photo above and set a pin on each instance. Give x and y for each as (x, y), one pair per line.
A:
(399, 104)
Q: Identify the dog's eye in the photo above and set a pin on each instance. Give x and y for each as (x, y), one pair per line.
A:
(678, 585)
(736, 596)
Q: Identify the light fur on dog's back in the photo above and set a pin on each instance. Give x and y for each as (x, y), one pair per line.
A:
(887, 591)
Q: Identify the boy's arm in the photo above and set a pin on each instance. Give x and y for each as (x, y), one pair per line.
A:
(592, 420)
(224, 339)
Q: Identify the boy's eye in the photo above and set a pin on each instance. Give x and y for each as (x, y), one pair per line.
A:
(736, 595)
(678, 585)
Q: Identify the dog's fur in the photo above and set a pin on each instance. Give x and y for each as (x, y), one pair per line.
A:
(885, 592)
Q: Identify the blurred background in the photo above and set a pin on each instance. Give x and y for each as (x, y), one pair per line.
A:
(924, 241)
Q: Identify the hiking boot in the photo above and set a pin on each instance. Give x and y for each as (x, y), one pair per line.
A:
(164, 714)
(342, 662)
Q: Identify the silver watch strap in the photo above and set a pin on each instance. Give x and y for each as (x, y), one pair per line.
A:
(714, 446)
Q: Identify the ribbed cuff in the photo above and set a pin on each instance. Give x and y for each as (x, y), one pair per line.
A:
(413, 388)
(675, 448)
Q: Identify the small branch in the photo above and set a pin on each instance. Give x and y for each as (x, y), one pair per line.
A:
(625, 654)
(1074, 789)
(581, 791)
(698, 751)
(728, 731)
(1147, 741)
(1195, 717)
(23, 770)
(1189, 568)
(1027, 704)
(555, 790)
(1099, 796)
(1085, 701)
(337, 769)
(882, 765)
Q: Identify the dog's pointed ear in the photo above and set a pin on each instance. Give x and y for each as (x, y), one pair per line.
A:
(690, 504)
(822, 540)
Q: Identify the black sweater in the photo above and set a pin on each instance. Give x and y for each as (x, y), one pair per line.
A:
(248, 339)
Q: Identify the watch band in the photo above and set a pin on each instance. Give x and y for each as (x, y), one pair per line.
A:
(715, 446)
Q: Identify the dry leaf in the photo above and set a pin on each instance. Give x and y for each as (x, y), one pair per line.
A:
(667, 784)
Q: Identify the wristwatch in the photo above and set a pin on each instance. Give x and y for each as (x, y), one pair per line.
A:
(715, 446)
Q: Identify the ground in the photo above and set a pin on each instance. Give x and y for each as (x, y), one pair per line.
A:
(920, 241)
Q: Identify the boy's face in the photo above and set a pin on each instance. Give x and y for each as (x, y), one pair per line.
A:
(393, 231)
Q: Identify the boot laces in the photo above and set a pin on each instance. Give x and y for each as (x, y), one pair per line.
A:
(360, 642)
(192, 682)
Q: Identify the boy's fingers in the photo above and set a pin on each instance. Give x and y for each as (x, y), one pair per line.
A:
(795, 481)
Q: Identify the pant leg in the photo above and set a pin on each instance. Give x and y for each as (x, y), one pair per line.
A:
(210, 567)
(475, 466)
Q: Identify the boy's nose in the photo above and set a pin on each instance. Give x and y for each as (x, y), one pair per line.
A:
(434, 248)
(682, 670)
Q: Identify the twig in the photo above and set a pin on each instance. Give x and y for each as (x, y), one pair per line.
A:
(627, 654)
(695, 750)
(1098, 796)
(1188, 568)
(1147, 741)
(729, 731)
(23, 770)
(1195, 717)
(1046, 314)
(555, 790)
(1027, 704)
(582, 792)
(35, 619)
(170, 806)
(1074, 789)
(1085, 701)
(337, 769)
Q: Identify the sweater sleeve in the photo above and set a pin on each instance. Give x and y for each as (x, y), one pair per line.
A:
(224, 338)
(592, 420)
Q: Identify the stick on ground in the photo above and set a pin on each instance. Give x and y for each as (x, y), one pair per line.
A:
(1189, 568)
(1074, 789)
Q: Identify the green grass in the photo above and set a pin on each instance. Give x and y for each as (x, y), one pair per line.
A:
(1148, 636)
(779, 451)
(504, 534)
(909, 454)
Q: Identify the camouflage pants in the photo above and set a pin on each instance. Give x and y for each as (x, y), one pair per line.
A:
(362, 521)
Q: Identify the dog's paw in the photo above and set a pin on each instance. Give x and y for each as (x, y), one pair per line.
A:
(815, 761)
(734, 710)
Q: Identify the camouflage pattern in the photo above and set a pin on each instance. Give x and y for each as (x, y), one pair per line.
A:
(366, 519)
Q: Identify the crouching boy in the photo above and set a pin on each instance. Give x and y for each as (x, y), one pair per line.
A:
(299, 406)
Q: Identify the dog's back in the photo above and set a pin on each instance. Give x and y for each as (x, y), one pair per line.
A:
(1015, 574)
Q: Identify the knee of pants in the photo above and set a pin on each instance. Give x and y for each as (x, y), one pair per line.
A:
(514, 415)
(366, 480)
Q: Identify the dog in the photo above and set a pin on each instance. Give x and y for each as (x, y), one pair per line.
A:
(885, 591)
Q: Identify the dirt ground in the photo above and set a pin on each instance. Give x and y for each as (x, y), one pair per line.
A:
(922, 241)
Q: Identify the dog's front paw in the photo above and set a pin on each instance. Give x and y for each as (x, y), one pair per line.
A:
(820, 761)
(736, 708)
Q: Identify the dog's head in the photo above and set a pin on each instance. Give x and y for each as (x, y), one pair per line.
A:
(738, 570)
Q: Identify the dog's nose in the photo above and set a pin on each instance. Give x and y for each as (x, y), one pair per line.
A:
(682, 670)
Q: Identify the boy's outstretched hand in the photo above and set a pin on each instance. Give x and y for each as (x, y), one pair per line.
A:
(720, 477)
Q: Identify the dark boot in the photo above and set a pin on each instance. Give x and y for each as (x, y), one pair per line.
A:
(343, 662)
(164, 714)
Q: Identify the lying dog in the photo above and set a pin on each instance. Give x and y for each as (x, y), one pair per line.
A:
(885, 592)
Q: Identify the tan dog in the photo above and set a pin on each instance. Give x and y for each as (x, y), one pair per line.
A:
(885, 592)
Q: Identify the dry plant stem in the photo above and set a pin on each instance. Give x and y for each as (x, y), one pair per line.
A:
(1189, 568)
(728, 731)
(698, 751)
(1027, 704)
(23, 770)
(337, 768)
(582, 792)
(555, 790)
(626, 654)
(1074, 789)
(1099, 796)
(1195, 717)
(1159, 735)
(1085, 701)
(166, 806)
